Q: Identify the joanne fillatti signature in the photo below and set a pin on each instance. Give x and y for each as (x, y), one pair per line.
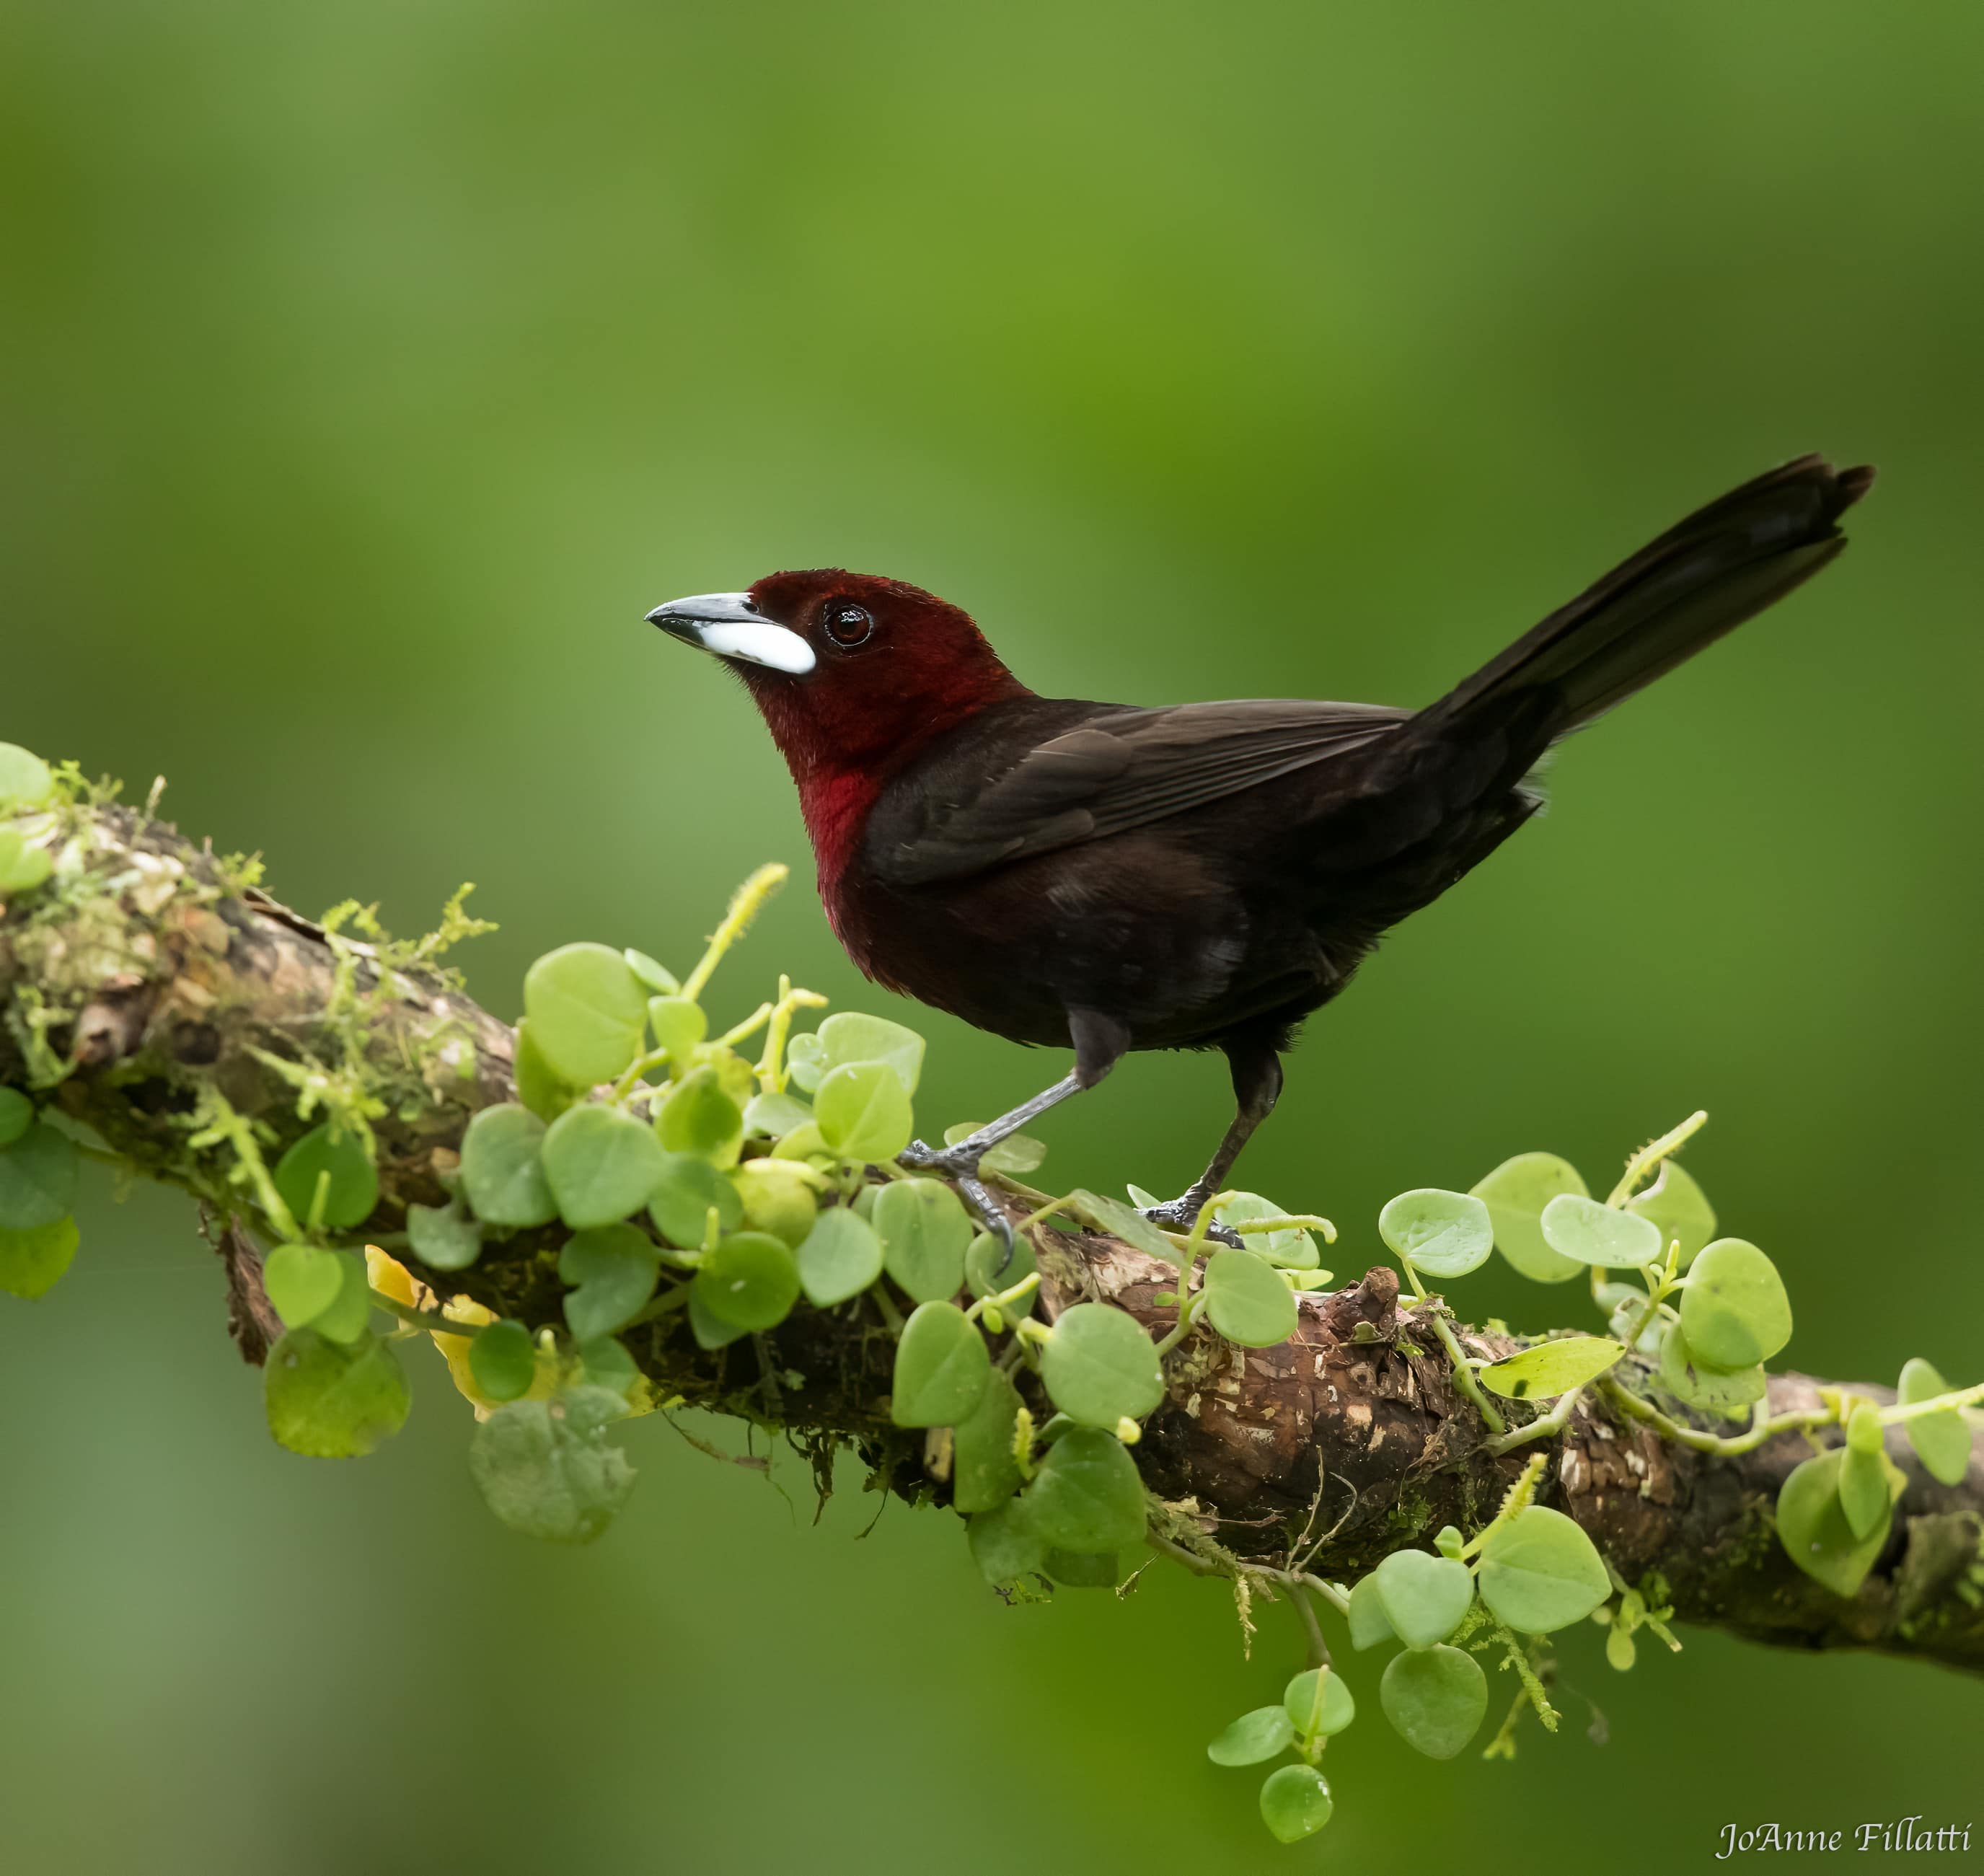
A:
(1903, 1833)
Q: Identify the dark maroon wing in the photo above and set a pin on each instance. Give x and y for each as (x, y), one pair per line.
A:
(1117, 769)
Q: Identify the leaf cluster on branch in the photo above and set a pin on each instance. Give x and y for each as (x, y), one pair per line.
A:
(618, 1207)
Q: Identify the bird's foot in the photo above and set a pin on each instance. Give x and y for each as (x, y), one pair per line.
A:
(957, 1162)
(1181, 1213)
(960, 1163)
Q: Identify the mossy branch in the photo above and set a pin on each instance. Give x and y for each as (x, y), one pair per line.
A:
(160, 998)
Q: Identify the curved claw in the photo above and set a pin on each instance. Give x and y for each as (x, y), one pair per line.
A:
(955, 1162)
(1181, 1213)
(992, 1215)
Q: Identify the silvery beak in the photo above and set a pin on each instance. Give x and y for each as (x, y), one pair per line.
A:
(731, 625)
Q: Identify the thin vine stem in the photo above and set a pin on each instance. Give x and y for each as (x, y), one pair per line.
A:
(1651, 1155)
(1464, 1377)
(1545, 1426)
(431, 1320)
(1763, 1426)
(1337, 1598)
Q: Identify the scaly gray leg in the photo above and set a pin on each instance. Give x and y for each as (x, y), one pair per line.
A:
(1099, 1041)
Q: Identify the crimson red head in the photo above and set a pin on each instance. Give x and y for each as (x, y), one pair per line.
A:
(851, 671)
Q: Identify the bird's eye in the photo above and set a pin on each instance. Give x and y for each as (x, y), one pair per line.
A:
(847, 623)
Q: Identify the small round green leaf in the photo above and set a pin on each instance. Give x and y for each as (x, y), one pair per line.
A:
(586, 1009)
(863, 1111)
(302, 1282)
(1679, 1208)
(1864, 1430)
(1731, 1392)
(1295, 1803)
(1941, 1440)
(25, 779)
(778, 1199)
(773, 1116)
(1424, 1597)
(1086, 1496)
(851, 1037)
(1540, 1572)
(443, 1236)
(982, 1259)
(1813, 1528)
(942, 1367)
(655, 976)
(1734, 1310)
(601, 1165)
(539, 1086)
(1551, 1368)
(1319, 1701)
(1435, 1700)
(679, 1024)
(329, 1401)
(805, 1061)
(1262, 1734)
(1247, 1302)
(503, 1360)
(840, 1258)
(1100, 1366)
(1582, 1229)
(685, 1189)
(1516, 1193)
(751, 1279)
(1369, 1625)
(805, 1142)
(37, 1178)
(501, 1174)
(546, 1468)
(17, 1115)
(709, 1329)
(606, 1363)
(1004, 1544)
(700, 1118)
(348, 1317)
(1081, 1569)
(925, 1232)
(614, 1268)
(23, 867)
(984, 1472)
(31, 1262)
(338, 1170)
(1863, 1490)
(1442, 1233)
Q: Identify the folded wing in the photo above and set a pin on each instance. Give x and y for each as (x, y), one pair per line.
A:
(1120, 769)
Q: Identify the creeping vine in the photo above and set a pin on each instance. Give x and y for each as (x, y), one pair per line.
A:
(646, 1196)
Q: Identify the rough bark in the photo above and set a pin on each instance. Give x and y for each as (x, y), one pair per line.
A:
(145, 973)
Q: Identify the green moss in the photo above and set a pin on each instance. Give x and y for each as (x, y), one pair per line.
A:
(1410, 1514)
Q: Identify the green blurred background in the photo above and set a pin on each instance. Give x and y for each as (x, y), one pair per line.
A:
(371, 369)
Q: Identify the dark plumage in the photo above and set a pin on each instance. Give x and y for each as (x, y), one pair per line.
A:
(1206, 875)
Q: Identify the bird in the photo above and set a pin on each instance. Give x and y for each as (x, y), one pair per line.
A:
(1110, 877)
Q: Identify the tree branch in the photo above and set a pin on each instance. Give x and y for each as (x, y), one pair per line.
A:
(149, 979)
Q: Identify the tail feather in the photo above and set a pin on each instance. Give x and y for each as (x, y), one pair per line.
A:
(1702, 578)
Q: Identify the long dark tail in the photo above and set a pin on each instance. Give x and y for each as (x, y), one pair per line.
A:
(1722, 565)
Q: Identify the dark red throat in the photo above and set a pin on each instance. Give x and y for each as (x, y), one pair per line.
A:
(848, 725)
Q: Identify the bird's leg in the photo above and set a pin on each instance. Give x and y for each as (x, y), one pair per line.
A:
(1099, 1043)
(964, 1157)
(1257, 1085)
